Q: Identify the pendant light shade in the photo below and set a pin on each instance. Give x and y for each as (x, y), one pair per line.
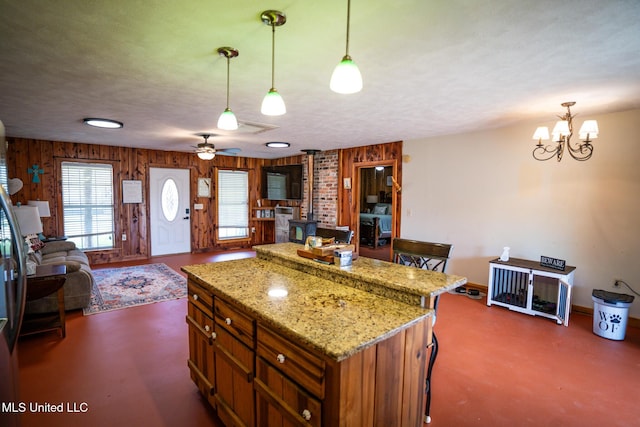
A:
(227, 120)
(346, 77)
(273, 104)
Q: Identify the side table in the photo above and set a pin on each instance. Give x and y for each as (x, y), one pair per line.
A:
(47, 280)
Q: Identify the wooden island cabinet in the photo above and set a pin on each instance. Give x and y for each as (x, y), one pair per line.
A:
(288, 348)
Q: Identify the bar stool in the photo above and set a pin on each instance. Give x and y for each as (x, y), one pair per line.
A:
(428, 256)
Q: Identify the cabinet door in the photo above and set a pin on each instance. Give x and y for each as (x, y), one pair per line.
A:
(564, 302)
(280, 402)
(552, 296)
(201, 356)
(509, 287)
(234, 380)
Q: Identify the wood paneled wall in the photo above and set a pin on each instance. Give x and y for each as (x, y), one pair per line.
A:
(133, 164)
(350, 161)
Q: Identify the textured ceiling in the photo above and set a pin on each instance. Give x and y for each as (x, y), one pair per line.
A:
(430, 67)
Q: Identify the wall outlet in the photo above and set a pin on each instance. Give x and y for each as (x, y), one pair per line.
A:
(253, 229)
(124, 237)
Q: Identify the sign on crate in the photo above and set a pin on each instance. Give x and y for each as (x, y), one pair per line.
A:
(556, 264)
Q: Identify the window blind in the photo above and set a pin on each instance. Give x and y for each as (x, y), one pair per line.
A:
(87, 204)
(233, 204)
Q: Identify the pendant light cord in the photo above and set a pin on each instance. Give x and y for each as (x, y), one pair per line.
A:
(273, 54)
(348, 21)
(228, 82)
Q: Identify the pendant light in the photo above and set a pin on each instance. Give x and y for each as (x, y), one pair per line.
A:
(227, 120)
(346, 77)
(273, 104)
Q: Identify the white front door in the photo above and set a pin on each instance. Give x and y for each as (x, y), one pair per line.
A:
(169, 215)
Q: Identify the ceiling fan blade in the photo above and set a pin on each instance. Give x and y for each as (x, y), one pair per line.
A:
(228, 151)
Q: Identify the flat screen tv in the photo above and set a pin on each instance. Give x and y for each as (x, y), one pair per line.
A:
(282, 182)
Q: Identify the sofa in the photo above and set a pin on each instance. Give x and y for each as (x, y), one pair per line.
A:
(77, 287)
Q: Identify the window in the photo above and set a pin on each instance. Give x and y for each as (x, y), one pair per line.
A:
(233, 204)
(87, 203)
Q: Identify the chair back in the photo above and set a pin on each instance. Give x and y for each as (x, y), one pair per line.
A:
(341, 236)
(425, 255)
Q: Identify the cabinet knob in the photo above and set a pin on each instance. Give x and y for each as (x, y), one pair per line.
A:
(280, 358)
(227, 321)
(207, 328)
(195, 297)
(214, 335)
(306, 414)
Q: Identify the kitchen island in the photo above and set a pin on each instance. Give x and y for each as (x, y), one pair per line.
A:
(272, 345)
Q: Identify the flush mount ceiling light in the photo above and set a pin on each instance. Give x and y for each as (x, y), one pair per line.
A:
(277, 144)
(273, 104)
(346, 77)
(227, 120)
(102, 123)
(561, 135)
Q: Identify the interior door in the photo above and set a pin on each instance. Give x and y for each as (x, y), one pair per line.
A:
(170, 216)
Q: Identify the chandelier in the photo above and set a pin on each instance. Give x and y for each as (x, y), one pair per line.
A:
(561, 135)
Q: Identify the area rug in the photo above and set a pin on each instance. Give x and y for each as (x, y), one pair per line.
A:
(117, 288)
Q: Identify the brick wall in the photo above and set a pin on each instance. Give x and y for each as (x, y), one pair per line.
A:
(325, 189)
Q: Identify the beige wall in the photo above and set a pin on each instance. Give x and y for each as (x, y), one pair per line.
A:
(482, 191)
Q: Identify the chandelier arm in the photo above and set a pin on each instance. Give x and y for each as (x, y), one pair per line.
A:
(542, 152)
(582, 152)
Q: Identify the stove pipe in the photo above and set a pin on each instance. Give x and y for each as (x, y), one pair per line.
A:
(310, 178)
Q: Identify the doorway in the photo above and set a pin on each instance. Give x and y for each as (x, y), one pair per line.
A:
(376, 213)
(169, 213)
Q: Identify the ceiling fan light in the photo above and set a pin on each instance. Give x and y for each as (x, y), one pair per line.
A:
(346, 77)
(227, 120)
(273, 104)
(206, 155)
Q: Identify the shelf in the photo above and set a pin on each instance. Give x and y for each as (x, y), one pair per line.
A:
(262, 219)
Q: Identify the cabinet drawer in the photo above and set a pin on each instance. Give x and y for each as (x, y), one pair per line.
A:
(293, 405)
(300, 365)
(236, 322)
(201, 298)
(200, 322)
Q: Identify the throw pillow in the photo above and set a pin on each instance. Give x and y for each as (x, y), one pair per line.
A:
(380, 210)
(35, 244)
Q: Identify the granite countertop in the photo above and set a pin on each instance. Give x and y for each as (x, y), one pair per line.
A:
(336, 320)
(407, 284)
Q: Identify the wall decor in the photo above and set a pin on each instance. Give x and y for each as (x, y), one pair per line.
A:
(131, 191)
(204, 187)
(36, 171)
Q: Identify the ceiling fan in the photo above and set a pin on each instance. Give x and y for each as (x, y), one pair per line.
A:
(207, 151)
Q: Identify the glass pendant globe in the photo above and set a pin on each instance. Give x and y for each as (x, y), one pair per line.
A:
(346, 77)
(227, 120)
(273, 104)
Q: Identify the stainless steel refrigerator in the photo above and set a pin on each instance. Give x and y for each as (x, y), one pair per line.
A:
(12, 297)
